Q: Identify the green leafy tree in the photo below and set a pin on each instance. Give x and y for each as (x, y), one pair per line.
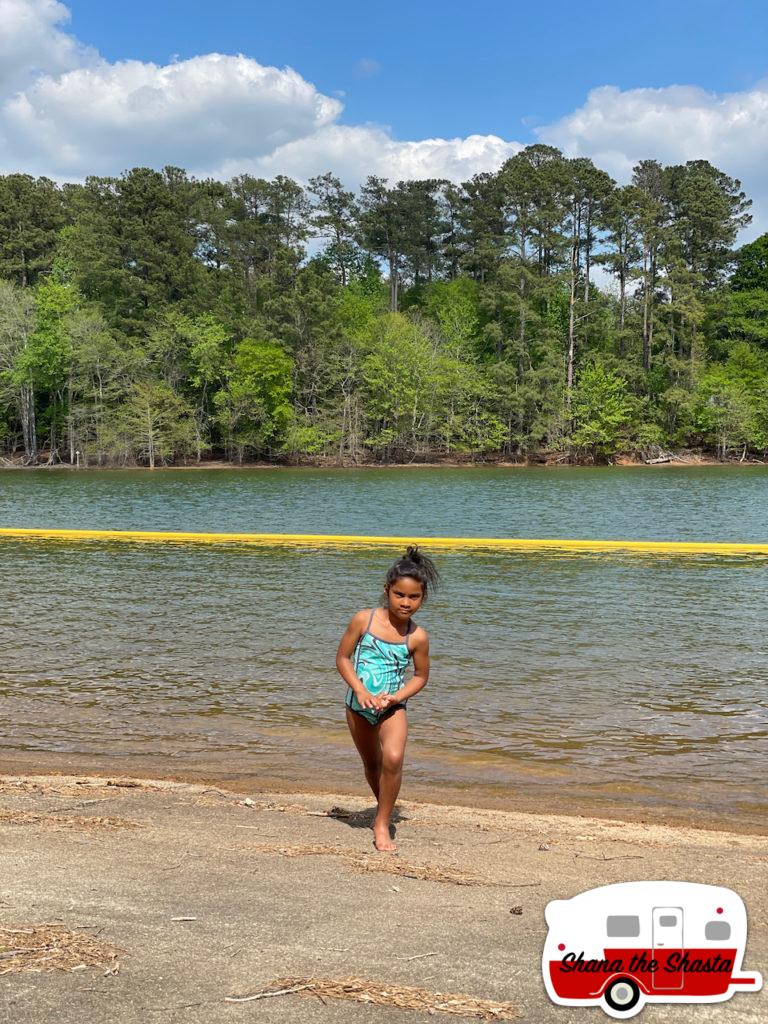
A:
(31, 215)
(153, 424)
(731, 402)
(751, 266)
(602, 409)
(17, 389)
(254, 407)
(738, 316)
(335, 218)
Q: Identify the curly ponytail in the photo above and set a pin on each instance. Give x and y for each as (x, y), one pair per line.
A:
(418, 566)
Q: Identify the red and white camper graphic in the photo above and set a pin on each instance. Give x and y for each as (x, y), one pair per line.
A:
(622, 946)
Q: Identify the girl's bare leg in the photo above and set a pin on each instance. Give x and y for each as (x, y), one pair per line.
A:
(393, 733)
(366, 737)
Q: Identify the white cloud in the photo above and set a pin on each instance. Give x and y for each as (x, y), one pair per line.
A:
(31, 42)
(66, 112)
(618, 128)
(366, 67)
(78, 114)
(354, 152)
(107, 117)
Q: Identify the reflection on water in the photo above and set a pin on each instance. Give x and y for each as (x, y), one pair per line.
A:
(633, 680)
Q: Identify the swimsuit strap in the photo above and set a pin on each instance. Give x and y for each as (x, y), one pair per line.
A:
(360, 641)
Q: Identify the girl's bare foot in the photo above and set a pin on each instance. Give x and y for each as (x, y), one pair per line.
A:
(381, 837)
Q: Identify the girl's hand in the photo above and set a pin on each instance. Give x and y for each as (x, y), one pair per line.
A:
(367, 700)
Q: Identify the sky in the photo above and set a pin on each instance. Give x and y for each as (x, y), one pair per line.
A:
(406, 90)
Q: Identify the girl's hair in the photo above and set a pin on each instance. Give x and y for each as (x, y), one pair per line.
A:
(416, 565)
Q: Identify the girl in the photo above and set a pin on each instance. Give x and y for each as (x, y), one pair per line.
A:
(372, 658)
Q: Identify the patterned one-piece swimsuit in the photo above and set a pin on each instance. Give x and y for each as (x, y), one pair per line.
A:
(380, 666)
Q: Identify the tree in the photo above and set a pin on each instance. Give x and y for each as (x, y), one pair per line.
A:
(17, 324)
(401, 225)
(31, 215)
(622, 253)
(399, 386)
(133, 245)
(751, 266)
(708, 209)
(153, 423)
(739, 316)
(47, 360)
(652, 220)
(731, 401)
(585, 189)
(335, 218)
(254, 407)
(601, 410)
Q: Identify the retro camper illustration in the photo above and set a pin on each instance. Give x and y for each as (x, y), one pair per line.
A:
(622, 946)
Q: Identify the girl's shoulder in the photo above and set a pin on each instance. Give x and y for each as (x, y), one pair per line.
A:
(419, 635)
(361, 618)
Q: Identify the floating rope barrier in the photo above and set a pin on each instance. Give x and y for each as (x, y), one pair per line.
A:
(321, 540)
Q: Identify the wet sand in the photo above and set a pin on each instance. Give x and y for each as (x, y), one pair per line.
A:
(535, 795)
(205, 896)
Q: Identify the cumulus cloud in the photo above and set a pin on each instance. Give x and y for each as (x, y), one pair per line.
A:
(66, 112)
(107, 117)
(32, 42)
(354, 152)
(76, 114)
(616, 128)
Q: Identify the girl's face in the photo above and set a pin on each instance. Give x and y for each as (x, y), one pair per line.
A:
(405, 597)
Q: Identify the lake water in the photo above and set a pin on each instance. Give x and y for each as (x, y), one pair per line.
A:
(608, 682)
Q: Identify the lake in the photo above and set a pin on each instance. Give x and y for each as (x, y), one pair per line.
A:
(616, 683)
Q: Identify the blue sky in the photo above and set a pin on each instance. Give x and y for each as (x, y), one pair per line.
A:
(404, 91)
(453, 68)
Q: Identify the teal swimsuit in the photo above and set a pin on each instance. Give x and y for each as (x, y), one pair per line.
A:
(380, 666)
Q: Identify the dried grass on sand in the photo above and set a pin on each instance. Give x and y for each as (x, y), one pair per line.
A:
(406, 997)
(368, 863)
(52, 947)
(80, 821)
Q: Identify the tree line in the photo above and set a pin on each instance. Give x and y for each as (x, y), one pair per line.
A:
(538, 311)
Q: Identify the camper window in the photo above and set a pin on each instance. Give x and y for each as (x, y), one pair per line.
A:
(717, 930)
(622, 927)
(668, 920)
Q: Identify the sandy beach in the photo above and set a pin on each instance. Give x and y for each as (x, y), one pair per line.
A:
(143, 900)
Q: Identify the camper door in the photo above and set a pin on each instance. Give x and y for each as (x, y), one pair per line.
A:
(667, 938)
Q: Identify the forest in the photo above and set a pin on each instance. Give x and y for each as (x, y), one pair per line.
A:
(539, 313)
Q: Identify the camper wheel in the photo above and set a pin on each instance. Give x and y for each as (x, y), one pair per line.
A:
(622, 995)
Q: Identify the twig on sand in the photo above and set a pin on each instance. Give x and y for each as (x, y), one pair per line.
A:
(523, 885)
(176, 1006)
(419, 956)
(72, 807)
(265, 994)
(629, 856)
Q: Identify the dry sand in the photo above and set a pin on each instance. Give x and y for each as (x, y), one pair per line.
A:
(160, 901)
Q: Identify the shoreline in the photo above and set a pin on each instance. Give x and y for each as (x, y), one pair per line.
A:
(693, 461)
(501, 798)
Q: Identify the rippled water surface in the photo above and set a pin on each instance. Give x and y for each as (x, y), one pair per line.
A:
(600, 680)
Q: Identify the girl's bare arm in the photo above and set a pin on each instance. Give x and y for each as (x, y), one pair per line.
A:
(344, 664)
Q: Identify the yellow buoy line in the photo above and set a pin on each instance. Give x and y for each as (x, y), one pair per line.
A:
(321, 540)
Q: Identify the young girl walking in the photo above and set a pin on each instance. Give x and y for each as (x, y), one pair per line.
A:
(372, 658)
